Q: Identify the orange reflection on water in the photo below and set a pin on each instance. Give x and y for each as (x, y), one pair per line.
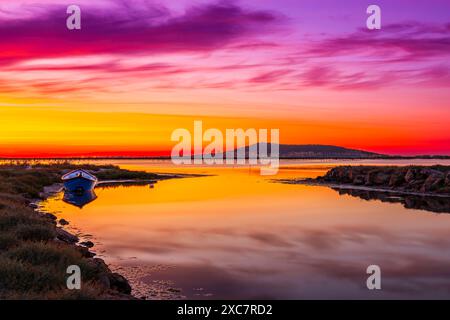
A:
(236, 234)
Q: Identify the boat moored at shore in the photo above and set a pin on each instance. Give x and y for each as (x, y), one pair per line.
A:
(79, 181)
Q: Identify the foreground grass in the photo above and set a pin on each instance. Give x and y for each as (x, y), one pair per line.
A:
(32, 262)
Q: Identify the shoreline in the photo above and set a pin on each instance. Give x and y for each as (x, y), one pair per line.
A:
(34, 244)
(84, 245)
(412, 180)
(309, 182)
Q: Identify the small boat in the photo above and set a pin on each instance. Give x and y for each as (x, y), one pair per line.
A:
(79, 181)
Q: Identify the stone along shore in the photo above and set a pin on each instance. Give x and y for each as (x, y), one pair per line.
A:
(434, 180)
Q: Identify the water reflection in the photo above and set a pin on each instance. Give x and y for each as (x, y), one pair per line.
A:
(438, 204)
(79, 199)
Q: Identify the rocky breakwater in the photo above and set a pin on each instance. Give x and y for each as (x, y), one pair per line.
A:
(416, 187)
(434, 180)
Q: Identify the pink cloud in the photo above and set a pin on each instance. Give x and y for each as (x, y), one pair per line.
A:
(234, 48)
(272, 76)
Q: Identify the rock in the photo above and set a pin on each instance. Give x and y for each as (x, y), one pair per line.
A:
(431, 172)
(63, 222)
(85, 252)
(433, 182)
(347, 175)
(65, 236)
(409, 179)
(415, 185)
(352, 173)
(416, 174)
(99, 264)
(447, 179)
(438, 184)
(381, 178)
(369, 179)
(49, 216)
(397, 179)
(103, 279)
(88, 244)
(119, 283)
(103, 271)
(340, 174)
(410, 175)
(360, 179)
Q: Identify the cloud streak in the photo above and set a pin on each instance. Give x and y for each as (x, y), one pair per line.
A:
(142, 29)
(236, 47)
(395, 42)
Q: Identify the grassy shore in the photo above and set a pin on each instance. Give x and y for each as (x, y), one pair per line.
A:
(33, 256)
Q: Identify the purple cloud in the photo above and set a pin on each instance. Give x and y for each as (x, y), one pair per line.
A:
(143, 29)
(245, 38)
(396, 42)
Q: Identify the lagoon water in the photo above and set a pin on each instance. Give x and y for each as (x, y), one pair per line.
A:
(237, 235)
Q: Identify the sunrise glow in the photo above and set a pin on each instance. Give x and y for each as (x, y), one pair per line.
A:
(131, 75)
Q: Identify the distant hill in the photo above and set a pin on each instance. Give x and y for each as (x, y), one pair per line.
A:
(317, 151)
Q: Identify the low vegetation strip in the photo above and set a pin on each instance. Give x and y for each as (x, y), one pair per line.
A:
(35, 253)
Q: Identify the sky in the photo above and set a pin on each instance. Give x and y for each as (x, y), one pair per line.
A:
(137, 70)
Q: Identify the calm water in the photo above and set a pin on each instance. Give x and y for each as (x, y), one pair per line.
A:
(236, 234)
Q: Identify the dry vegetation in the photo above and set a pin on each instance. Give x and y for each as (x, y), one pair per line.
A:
(32, 261)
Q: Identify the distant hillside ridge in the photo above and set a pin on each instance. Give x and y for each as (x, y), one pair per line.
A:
(313, 151)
